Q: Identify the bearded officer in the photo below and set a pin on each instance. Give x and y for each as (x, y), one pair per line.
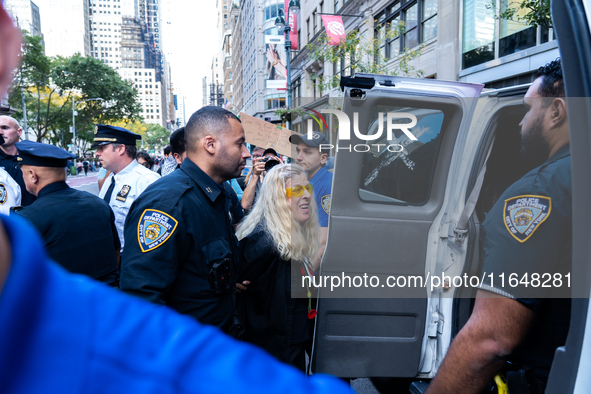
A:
(115, 149)
(527, 235)
(62, 214)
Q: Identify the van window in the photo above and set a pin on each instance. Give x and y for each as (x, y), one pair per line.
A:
(400, 170)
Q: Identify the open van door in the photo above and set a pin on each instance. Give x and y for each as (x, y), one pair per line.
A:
(387, 221)
(572, 363)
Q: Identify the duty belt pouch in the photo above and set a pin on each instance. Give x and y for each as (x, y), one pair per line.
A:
(524, 381)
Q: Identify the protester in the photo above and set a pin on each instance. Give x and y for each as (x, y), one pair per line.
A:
(256, 175)
(178, 146)
(279, 239)
(169, 164)
(145, 159)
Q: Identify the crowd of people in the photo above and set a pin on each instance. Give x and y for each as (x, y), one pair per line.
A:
(181, 240)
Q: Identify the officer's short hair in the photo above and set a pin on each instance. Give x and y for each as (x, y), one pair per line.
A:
(131, 150)
(16, 123)
(208, 120)
(177, 141)
(552, 82)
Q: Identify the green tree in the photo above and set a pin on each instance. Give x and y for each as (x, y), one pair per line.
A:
(50, 84)
(363, 54)
(152, 134)
(531, 12)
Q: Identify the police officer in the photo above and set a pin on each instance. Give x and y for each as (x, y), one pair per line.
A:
(312, 158)
(66, 217)
(10, 191)
(527, 232)
(11, 131)
(181, 249)
(115, 148)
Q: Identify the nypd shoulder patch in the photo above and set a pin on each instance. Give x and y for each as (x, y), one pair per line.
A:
(326, 203)
(3, 194)
(154, 229)
(524, 214)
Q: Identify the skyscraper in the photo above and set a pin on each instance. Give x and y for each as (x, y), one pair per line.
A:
(26, 15)
(65, 27)
(125, 34)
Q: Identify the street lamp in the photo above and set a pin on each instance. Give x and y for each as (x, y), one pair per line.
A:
(294, 5)
(74, 113)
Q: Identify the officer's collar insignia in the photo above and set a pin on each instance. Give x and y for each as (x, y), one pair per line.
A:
(3, 194)
(208, 189)
(154, 229)
(123, 193)
(524, 214)
(326, 203)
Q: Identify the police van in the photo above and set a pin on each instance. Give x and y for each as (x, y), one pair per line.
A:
(404, 208)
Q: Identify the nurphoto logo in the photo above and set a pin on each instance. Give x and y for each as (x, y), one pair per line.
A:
(344, 131)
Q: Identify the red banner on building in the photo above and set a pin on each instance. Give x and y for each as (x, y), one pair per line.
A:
(335, 29)
(292, 20)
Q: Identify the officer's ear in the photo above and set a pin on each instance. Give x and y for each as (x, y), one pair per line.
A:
(558, 111)
(209, 144)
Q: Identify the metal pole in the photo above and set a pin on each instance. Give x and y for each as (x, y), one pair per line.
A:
(74, 126)
(288, 67)
(25, 124)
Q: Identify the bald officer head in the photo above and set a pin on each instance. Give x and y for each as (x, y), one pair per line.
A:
(42, 164)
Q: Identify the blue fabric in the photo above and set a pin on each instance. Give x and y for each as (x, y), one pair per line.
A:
(64, 333)
(322, 183)
(237, 188)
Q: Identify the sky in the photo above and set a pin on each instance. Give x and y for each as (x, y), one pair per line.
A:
(190, 42)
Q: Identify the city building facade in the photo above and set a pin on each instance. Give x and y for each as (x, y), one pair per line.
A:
(150, 92)
(25, 15)
(473, 45)
(65, 27)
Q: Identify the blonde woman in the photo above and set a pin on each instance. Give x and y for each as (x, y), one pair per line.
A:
(278, 240)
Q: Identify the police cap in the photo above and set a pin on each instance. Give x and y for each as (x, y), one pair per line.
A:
(106, 134)
(42, 155)
(314, 142)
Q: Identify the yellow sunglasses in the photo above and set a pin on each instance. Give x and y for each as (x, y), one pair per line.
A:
(298, 191)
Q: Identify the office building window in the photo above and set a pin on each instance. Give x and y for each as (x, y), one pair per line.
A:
(482, 34)
(419, 19)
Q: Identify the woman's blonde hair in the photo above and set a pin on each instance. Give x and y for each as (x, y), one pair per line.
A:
(293, 240)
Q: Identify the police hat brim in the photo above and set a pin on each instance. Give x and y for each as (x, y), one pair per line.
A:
(100, 143)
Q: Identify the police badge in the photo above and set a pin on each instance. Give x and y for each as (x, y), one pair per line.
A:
(524, 214)
(155, 228)
(326, 203)
(122, 195)
(3, 194)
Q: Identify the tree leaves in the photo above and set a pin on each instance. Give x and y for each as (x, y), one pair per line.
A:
(50, 84)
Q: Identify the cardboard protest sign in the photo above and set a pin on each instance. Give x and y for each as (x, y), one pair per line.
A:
(266, 135)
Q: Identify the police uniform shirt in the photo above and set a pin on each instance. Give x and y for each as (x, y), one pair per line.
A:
(78, 229)
(322, 184)
(177, 231)
(528, 232)
(10, 193)
(67, 334)
(10, 164)
(129, 184)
